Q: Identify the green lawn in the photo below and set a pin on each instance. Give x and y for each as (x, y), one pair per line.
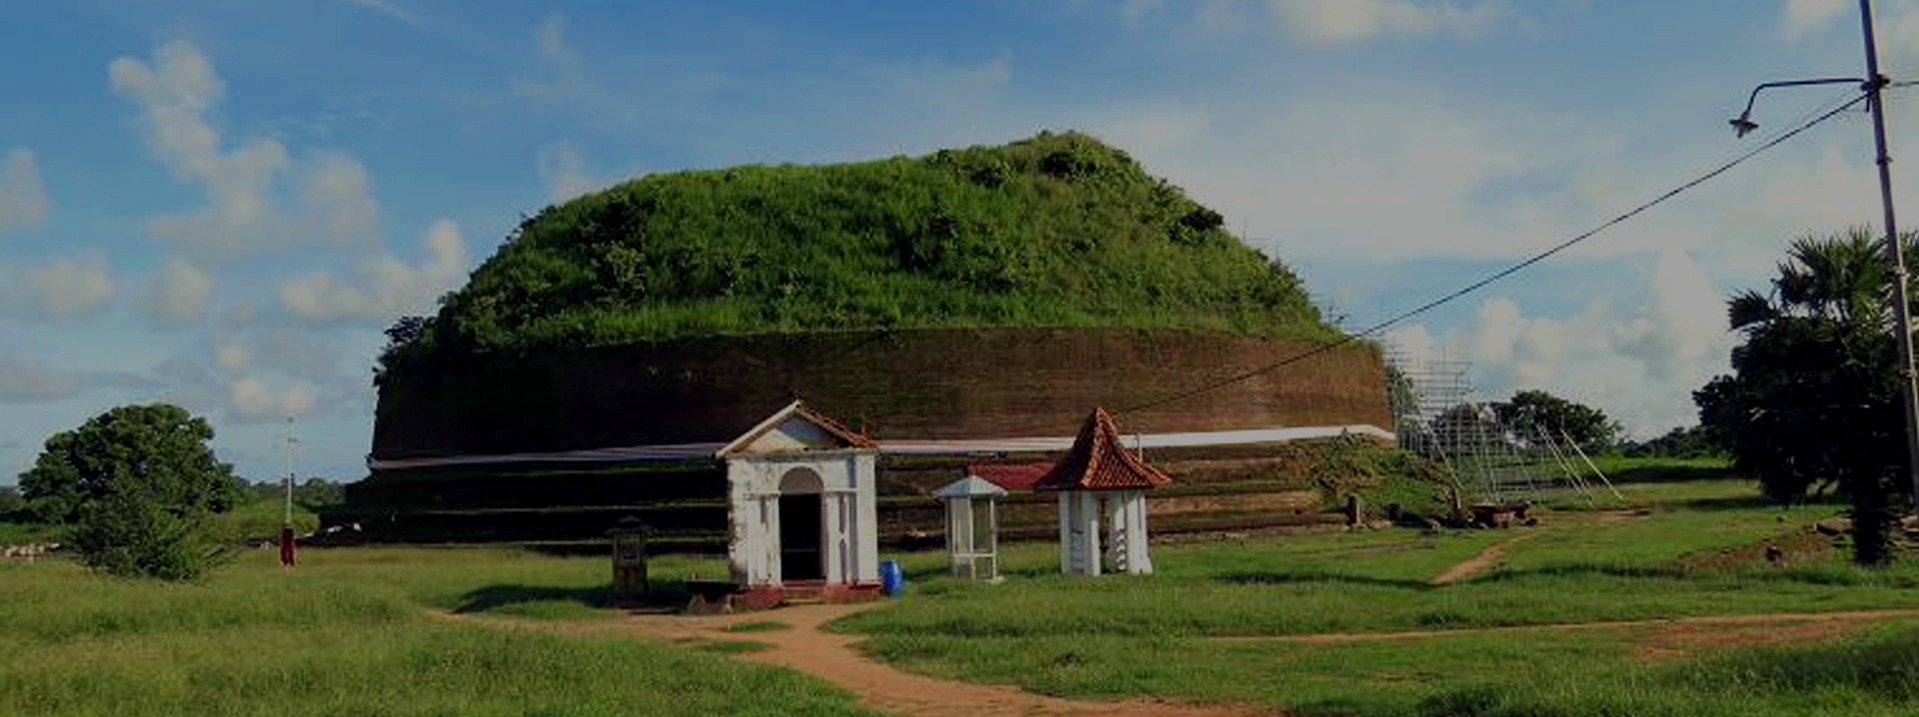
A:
(348, 633)
(1191, 630)
(354, 631)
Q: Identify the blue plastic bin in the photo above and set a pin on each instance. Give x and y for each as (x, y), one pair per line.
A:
(892, 579)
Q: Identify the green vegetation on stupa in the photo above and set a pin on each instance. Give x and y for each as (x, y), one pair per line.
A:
(1055, 230)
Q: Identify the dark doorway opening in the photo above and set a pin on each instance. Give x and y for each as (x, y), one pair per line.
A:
(800, 529)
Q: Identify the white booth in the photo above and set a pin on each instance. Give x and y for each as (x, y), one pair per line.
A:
(972, 527)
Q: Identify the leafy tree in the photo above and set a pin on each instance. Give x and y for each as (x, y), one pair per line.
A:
(136, 484)
(314, 494)
(404, 331)
(1681, 442)
(1468, 428)
(1813, 403)
(1532, 411)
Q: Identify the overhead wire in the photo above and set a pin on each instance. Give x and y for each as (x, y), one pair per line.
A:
(1395, 320)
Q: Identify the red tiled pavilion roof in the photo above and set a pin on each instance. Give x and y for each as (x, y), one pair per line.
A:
(1011, 476)
(833, 425)
(1099, 462)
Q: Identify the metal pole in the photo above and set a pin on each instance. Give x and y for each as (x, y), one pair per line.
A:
(286, 510)
(1895, 253)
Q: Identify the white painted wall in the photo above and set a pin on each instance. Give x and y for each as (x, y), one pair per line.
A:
(1103, 531)
(851, 542)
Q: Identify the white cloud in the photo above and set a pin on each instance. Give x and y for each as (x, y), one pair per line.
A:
(23, 201)
(26, 381)
(232, 357)
(23, 381)
(264, 373)
(386, 287)
(1351, 21)
(245, 210)
(995, 72)
(1133, 11)
(1305, 170)
(562, 171)
(337, 187)
(58, 290)
(1639, 362)
(550, 37)
(179, 296)
(568, 77)
(389, 9)
(252, 398)
(1802, 16)
(1352, 176)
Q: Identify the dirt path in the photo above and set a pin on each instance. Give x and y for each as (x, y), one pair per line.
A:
(805, 647)
(1477, 563)
(1688, 623)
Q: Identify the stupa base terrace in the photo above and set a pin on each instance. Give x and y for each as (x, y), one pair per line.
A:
(552, 450)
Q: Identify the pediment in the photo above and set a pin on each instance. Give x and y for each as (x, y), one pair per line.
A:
(795, 429)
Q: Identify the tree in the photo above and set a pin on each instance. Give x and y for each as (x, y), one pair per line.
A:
(135, 485)
(404, 332)
(1530, 412)
(1468, 429)
(1813, 401)
(1680, 442)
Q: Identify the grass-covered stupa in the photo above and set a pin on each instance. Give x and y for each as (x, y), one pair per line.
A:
(1059, 230)
(968, 303)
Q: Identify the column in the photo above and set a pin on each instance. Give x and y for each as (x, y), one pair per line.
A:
(1065, 533)
(1087, 520)
(1136, 533)
(833, 545)
(1116, 544)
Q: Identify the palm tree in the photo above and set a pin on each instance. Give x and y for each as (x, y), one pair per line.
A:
(1815, 400)
(1840, 278)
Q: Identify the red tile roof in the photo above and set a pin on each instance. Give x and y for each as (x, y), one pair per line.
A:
(833, 426)
(1011, 476)
(1098, 461)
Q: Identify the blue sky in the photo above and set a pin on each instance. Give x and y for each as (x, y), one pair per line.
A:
(221, 203)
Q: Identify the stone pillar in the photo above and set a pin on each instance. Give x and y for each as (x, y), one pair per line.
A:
(833, 544)
(1114, 558)
(1065, 532)
(1136, 536)
(1084, 542)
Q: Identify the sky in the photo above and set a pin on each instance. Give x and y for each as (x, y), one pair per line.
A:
(222, 203)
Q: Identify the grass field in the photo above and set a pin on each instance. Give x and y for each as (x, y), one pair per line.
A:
(1205, 627)
(350, 633)
(364, 632)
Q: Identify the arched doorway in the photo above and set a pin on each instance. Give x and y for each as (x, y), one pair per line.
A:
(802, 525)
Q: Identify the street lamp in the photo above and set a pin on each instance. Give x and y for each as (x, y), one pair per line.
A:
(1743, 124)
(1874, 86)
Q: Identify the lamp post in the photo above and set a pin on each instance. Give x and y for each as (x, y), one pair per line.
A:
(286, 507)
(1874, 86)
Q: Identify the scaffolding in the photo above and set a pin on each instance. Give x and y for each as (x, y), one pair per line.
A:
(1437, 414)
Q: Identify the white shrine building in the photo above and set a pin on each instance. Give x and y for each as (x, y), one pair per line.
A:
(801, 487)
(1102, 502)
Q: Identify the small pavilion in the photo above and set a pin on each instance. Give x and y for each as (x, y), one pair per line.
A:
(801, 486)
(1102, 494)
(972, 527)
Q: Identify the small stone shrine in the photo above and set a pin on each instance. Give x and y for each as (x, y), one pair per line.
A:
(1102, 502)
